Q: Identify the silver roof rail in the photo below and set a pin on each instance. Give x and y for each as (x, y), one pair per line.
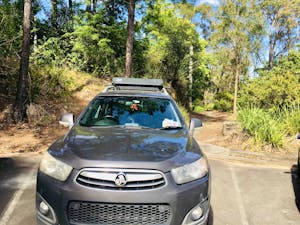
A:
(108, 88)
(121, 82)
(138, 84)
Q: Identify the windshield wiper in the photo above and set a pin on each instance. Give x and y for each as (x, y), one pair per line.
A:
(171, 128)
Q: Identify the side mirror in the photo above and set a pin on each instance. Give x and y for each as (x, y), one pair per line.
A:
(67, 120)
(194, 124)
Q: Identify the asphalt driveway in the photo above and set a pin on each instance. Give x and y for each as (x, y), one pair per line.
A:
(242, 193)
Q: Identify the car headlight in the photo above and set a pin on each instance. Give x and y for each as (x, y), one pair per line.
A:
(190, 172)
(55, 168)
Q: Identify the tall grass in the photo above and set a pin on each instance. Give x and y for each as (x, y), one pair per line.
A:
(270, 127)
(262, 126)
(290, 119)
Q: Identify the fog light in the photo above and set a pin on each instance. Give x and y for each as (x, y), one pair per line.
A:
(44, 209)
(196, 213)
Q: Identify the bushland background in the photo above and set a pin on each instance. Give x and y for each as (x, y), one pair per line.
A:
(233, 63)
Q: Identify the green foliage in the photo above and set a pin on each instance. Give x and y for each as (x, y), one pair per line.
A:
(223, 101)
(199, 109)
(277, 88)
(270, 127)
(185, 114)
(92, 47)
(281, 22)
(169, 51)
(9, 75)
(274, 96)
(53, 52)
(10, 23)
(262, 126)
(50, 82)
(236, 28)
(198, 106)
(209, 107)
(290, 119)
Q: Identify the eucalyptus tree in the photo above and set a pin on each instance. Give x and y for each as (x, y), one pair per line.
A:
(282, 25)
(188, 11)
(129, 40)
(237, 26)
(54, 13)
(168, 56)
(22, 90)
(130, 5)
(70, 4)
(114, 10)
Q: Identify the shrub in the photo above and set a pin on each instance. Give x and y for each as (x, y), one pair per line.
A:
(275, 88)
(223, 101)
(209, 107)
(185, 114)
(262, 126)
(199, 109)
(50, 82)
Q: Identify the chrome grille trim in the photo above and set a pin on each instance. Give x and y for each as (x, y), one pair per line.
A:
(136, 179)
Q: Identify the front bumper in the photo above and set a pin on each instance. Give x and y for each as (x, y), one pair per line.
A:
(181, 198)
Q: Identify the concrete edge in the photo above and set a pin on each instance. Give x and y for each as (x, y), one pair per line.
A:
(217, 152)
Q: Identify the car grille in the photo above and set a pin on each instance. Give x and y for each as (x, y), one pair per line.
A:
(135, 179)
(118, 214)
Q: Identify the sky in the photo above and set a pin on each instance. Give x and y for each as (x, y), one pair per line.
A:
(211, 2)
(47, 6)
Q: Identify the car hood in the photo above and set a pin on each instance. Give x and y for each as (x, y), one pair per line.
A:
(126, 148)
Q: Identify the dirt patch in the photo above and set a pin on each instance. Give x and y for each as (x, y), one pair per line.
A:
(38, 135)
(22, 139)
(211, 132)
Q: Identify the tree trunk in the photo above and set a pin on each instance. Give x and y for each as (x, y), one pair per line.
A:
(94, 6)
(35, 38)
(271, 53)
(22, 91)
(130, 34)
(54, 13)
(70, 14)
(88, 6)
(71, 11)
(191, 77)
(236, 86)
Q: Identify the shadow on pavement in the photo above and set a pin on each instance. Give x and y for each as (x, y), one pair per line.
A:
(8, 169)
(12, 166)
(295, 176)
(12, 174)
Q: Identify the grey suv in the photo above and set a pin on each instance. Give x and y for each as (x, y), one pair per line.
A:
(129, 159)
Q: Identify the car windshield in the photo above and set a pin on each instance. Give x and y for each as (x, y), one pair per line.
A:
(131, 111)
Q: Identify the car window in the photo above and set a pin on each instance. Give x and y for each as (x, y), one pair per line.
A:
(131, 111)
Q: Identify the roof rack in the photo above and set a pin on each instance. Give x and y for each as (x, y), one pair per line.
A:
(140, 84)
